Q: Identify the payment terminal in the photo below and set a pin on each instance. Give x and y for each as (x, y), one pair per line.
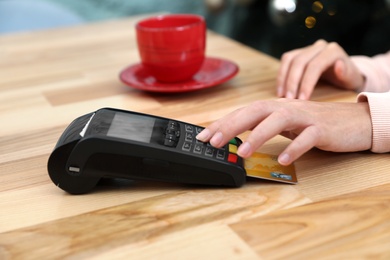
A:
(112, 143)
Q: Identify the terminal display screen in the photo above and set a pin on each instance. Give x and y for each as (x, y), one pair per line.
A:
(132, 127)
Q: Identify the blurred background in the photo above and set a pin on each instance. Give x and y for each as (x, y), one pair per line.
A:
(271, 26)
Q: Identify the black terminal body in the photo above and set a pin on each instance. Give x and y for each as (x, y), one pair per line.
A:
(112, 143)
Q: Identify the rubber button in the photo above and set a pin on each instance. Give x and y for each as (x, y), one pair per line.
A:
(232, 158)
(233, 141)
(233, 148)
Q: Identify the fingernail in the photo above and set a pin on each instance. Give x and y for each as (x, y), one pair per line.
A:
(302, 96)
(244, 149)
(204, 135)
(284, 159)
(290, 95)
(216, 140)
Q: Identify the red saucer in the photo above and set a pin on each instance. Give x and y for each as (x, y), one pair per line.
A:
(213, 72)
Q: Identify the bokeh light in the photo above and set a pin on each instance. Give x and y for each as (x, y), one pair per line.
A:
(317, 6)
(285, 5)
(310, 22)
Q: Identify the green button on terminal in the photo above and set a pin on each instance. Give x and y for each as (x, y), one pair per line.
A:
(233, 141)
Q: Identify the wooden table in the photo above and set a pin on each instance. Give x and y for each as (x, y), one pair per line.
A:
(339, 209)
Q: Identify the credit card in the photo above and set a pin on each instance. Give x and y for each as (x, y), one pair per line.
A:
(266, 166)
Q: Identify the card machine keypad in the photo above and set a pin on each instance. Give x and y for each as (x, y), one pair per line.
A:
(172, 134)
(192, 145)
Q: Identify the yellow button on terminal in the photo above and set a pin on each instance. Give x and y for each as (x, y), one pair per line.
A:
(233, 148)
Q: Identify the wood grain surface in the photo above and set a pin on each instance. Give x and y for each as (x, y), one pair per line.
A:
(338, 210)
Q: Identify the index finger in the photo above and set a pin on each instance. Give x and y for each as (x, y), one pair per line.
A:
(221, 131)
(285, 64)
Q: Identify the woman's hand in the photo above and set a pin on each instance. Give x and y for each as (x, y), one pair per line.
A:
(337, 127)
(301, 69)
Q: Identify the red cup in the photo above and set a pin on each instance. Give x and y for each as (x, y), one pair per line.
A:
(172, 47)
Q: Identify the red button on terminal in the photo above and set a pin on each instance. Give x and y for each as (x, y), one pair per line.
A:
(232, 158)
